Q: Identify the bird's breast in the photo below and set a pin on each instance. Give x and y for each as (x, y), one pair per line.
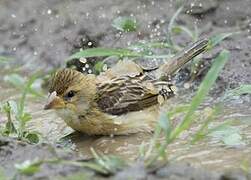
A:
(98, 123)
(70, 118)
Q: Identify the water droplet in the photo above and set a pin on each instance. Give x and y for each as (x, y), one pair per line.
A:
(89, 43)
(49, 11)
(13, 16)
(187, 85)
(83, 60)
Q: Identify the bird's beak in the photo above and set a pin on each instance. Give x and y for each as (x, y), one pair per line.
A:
(54, 102)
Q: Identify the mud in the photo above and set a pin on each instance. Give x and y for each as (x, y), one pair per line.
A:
(15, 152)
(41, 34)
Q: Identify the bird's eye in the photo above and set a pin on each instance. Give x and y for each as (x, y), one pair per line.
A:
(70, 94)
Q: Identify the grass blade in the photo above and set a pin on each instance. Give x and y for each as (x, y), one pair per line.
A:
(103, 52)
(203, 90)
(4, 59)
(125, 24)
(214, 40)
(242, 89)
(171, 24)
(179, 29)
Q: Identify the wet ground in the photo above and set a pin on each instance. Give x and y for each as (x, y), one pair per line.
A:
(40, 35)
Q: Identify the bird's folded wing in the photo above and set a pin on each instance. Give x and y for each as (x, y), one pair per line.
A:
(125, 94)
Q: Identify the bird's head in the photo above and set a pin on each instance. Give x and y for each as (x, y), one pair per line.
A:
(69, 89)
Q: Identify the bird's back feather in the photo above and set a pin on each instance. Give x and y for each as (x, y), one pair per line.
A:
(127, 94)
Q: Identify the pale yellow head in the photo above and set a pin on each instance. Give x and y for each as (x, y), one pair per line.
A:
(71, 90)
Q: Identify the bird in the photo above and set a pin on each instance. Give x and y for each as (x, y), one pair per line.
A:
(116, 102)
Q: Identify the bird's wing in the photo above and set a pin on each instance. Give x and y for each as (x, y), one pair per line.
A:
(126, 94)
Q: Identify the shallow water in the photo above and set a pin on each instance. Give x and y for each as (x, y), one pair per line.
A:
(207, 153)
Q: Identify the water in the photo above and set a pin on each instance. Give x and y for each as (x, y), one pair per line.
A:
(207, 153)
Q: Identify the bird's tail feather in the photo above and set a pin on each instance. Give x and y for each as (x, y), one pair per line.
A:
(184, 56)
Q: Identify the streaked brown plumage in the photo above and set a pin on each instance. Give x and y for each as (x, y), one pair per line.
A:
(112, 103)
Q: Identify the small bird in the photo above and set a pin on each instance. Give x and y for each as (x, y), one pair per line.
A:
(115, 103)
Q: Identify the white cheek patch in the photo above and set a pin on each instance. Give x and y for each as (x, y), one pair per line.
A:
(51, 97)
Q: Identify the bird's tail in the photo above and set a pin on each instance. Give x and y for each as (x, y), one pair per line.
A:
(184, 56)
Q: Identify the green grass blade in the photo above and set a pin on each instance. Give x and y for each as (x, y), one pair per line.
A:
(15, 79)
(214, 40)
(27, 88)
(4, 59)
(104, 52)
(229, 135)
(125, 24)
(147, 46)
(203, 90)
(171, 24)
(242, 89)
(2, 174)
(179, 29)
(18, 82)
(203, 130)
(91, 165)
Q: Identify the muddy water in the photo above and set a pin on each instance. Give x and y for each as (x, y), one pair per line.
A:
(206, 153)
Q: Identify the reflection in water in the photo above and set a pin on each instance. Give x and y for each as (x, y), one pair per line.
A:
(207, 153)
